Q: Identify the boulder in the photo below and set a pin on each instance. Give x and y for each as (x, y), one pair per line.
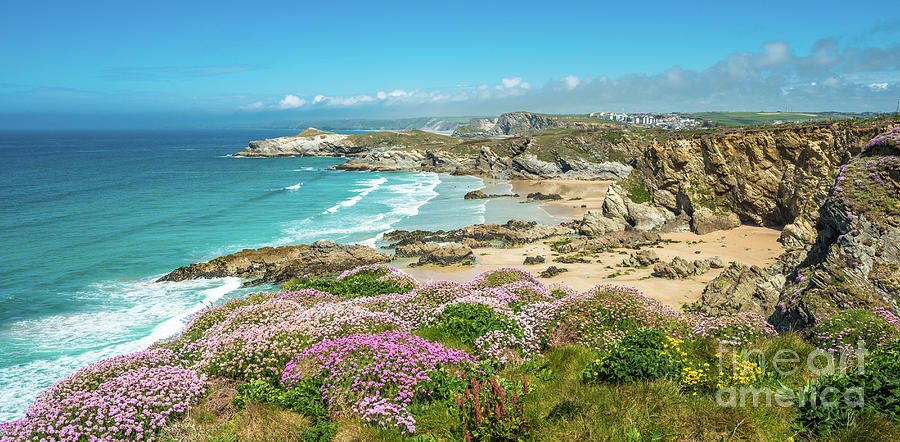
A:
(448, 254)
(614, 203)
(642, 258)
(544, 197)
(705, 221)
(553, 271)
(417, 248)
(474, 243)
(681, 268)
(715, 262)
(799, 234)
(678, 268)
(478, 194)
(633, 239)
(594, 223)
(741, 288)
(645, 216)
(475, 195)
(529, 260)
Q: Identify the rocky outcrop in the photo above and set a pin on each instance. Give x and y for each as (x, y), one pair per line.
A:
(509, 124)
(512, 233)
(448, 254)
(543, 197)
(310, 142)
(486, 162)
(279, 264)
(705, 221)
(417, 248)
(632, 239)
(314, 142)
(642, 258)
(530, 260)
(855, 261)
(741, 288)
(681, 268)
(619, 212)
(553, 271)
(480, 195)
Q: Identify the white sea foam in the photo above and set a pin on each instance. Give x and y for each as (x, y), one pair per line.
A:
(294, 187)
(404, 195)
(135, 315)
(370, 186)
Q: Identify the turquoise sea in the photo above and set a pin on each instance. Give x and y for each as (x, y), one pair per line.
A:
(91, 219)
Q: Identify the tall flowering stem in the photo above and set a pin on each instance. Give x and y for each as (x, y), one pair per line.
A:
(488, 412)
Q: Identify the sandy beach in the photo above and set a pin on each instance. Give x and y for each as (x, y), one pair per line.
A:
(746, 244)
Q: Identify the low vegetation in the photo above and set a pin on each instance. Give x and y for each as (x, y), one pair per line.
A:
(374, 355)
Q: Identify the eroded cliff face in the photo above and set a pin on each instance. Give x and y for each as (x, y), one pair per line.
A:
(486, 162)
(855, 261)
(767, 176)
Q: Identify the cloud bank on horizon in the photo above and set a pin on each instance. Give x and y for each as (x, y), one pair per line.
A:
(774, 77)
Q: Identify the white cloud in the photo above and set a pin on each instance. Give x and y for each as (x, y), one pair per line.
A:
(291, 101)
(252, 106)
(826, 78)
(571, 81)
(514, 82)
(831, 82)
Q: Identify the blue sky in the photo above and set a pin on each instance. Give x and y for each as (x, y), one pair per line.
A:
(173, 63)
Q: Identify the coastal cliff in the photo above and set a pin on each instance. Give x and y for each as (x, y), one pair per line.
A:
(523, 123)
(313, 142)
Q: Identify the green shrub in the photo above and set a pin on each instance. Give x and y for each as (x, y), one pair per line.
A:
(442, 385)
(874, 393)
(637, 193)
(353, 287)
(305, 397)
(322, 431)
(640, 355)
(468, 322)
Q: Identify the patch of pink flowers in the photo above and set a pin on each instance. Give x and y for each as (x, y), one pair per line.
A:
(841, 331)
(737, 330)
(376, 376)
(123, 398)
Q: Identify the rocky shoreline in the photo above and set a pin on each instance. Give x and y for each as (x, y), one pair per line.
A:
(280, 264)
(839, 254)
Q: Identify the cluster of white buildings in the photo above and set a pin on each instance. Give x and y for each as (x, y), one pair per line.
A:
(662, 121)
(621, 116)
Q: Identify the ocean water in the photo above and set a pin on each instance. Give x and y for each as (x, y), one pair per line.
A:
(89, 220)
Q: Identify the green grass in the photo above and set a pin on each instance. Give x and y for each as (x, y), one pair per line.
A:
(402, 138)
(763, 118)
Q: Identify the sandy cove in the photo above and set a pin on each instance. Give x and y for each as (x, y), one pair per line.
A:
(746, 244)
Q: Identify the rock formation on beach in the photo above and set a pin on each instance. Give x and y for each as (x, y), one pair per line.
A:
(512, 233)
(279, 264)
(480, 195)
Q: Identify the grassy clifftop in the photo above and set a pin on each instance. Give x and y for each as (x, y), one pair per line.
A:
(376, 355)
